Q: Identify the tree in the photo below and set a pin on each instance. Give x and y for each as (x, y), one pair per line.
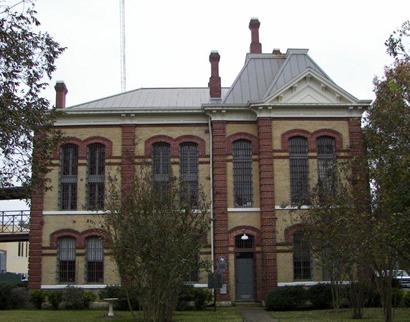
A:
(27, 59)
(366, 223)
(388, 153)
(155, 237)
(334, 227)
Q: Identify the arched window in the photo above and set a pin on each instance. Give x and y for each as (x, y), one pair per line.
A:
(66, 259)
(95, 175)
(68, 176)
(188, 158)
(301, 257)
(298, 165)
(95, 260)
(326, 162)
(242, 173)
(161, 164)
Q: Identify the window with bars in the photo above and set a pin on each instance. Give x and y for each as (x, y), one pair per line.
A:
(95, 175)
(301, 257)
(242, 173)
(95, 260)
(299, 170)
(326, 162)
(66, 259)
(68, 176)
(161, 165)
(3, 258)
(188, 158)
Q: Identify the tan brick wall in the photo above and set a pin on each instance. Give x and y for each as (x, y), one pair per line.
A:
(244, 219)
(232, 128)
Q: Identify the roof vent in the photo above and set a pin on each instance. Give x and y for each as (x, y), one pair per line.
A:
(61, 92)
(276, 51)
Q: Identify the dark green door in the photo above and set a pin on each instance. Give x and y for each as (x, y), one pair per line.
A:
(244, 277)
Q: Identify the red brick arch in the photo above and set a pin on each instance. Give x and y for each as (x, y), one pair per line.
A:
(242, 136)
(249, 230)
(64, 233)
(192, 138)
(157, 139)
(99, 139)
(327, 132)
(311, 137)
(289, 231)
(82, 146)
(94, 232)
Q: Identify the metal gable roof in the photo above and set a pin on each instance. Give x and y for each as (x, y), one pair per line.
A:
(152, 98)
(254, 79)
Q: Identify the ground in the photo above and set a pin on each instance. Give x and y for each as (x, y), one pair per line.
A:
(370, 315)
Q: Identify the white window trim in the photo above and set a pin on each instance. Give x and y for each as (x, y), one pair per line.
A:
(244, 209)
(74, 212)
(62, 286)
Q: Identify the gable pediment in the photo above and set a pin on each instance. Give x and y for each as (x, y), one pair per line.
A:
(310, 88)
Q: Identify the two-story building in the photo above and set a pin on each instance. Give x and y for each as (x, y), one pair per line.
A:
(256, 148)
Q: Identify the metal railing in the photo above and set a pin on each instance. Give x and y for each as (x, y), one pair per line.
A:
(14, 221)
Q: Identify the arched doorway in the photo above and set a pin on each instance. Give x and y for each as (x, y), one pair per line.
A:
(245, 267)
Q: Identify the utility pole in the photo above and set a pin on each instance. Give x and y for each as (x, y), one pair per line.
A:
(122, 46)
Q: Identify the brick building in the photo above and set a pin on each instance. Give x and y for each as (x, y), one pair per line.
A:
(255, 147)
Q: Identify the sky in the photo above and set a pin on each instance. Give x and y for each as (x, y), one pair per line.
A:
(168, 42)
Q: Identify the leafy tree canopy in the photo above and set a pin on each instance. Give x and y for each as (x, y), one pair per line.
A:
(27, 61)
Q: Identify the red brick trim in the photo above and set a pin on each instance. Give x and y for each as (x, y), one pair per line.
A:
(94, 232)
(174, 144)
(327, 132)
(291, 133)
(289, 231)
(269, 277)
(220, 199)
(55, 236)
(157, 139)
(128, 156)
(194, 139)
(249, 230)
(242, 136)
(82, 146)
(311, 137)
(102, 140)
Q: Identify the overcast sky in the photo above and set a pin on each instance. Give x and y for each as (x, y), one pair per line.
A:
(168, 42)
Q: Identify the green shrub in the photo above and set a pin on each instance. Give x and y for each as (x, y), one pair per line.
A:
(199, 296)
(37, 298)
(320, 295)
(120, 293)
(406, 299)
(5, 296)
(19, 298)
(286, 298)
(88, 297)
(55, 298)
(72, 298)
(372, 297)
(397, 296)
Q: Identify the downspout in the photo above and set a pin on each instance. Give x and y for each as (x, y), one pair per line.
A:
(211, 182)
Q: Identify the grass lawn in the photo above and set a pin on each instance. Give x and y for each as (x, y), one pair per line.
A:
(370, 315)
(221, 314)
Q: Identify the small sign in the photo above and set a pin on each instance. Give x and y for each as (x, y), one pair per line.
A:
(215, 280)
(221, 264)
(224, 289)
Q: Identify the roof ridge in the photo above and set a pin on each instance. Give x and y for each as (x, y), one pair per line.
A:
(275, 79)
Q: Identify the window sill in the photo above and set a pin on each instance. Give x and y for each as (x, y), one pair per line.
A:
(279, 207)
(74, 212)
(62, 286)
(244, 209)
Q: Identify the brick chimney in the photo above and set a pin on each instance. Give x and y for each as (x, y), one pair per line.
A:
(61, 92)
(214, 81)
(256, 46)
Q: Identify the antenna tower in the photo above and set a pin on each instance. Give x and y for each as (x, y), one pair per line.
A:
(122, 45)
